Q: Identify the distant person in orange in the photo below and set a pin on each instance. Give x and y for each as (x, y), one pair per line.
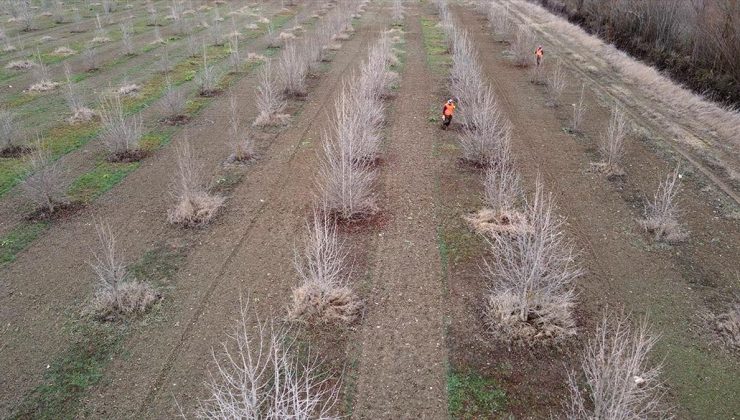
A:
(539, 54)
(447, 111)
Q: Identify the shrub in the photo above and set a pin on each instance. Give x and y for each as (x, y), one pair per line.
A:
(90, 59)
(555, 84)
(611, 145)
(195, 205)
(579, 109)
(260, 374)
(242, 145)
(121, 135)
(64, 51)
(173, 103)
(323, 294)
(522, 48)
(80, 113)
(486, 135)
(45, 186)
(270, 99)
(206, 79)
(42, 77)
(500, 20)
(117, 294)
(126, 39)
(234, 56)
(20, 65)
(346, 182)
(292, 68)
(531, 296)
(661, 214)
(398, 12)
(503, 194)
(10, 131)
(620, 383)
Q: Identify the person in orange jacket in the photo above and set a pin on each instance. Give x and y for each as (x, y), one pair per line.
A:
(447, 111)
(539, 54)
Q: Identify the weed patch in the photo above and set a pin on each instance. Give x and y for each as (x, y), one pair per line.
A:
(473, 396)
(105, 176)
(435, 45)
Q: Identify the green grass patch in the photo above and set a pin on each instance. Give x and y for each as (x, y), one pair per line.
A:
(105, 176)
(471, 396)
(18, 239)
(438, 57)
(65, 138)
(11, 172)
(73, 373)
(156, 139)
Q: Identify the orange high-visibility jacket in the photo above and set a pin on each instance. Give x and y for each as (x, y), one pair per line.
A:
(539, 52)
(448, 110)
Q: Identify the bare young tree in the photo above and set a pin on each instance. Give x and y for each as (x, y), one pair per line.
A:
(242, 144)
(292, 68)
(259, 374)
(611, 145)
(195, 205)
(234, 56)
(620, 382)
(121, 134)
(10, 132)
(503, 196)
(531, 275)
(270, 99)
(346, 182)
(556, 84)
(90, 58)
(661, 214)
(522, 48)
(80, 112)
(173, 104)
(206, 79)
(398, 12)
(42, 76)
(117, 294)
(323, 294)
(500, 20)
(579, 109)
(45, 186)
(486, 132)
(127, 38)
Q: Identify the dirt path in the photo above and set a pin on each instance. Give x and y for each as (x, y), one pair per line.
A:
(623, 268)
(402, 366)
(249, 251)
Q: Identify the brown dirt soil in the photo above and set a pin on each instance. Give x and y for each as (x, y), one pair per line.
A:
(402, 364)
(624, 268)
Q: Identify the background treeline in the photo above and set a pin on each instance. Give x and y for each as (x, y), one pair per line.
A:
(696, 41)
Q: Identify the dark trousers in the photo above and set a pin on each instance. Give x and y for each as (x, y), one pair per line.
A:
(447, 120)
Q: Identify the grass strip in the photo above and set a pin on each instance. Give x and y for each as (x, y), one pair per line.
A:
(435, 45)
(18, 239)
(471, 396)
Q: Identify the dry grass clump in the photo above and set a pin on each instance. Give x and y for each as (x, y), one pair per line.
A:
(129, 89)
(100, 40)
(323, 295)
(121, 135)
(261, 374)
(727, 328)
(42, 76)
(256, 57)
(20, 65)
(531, 295)
(270, 100)
(117, 295)
(195, 205)
(502, 214)
(620, 383)
(43, 86)
(45, 186)
(661, 214)
(611, 145)
(64, 52)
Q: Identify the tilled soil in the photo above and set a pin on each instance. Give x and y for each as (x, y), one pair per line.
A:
(402, 365)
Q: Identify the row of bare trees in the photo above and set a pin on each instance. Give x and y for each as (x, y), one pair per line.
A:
(534, 267)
